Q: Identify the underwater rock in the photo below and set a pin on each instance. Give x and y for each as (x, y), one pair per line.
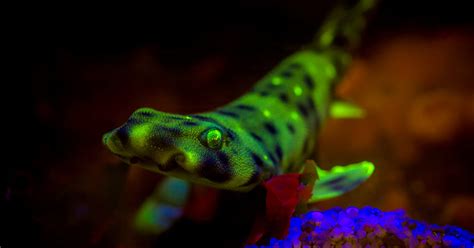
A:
(368, 227)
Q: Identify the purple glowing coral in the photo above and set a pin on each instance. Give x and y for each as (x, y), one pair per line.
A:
(368, 227)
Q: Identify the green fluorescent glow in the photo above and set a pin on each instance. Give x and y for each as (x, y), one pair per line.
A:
(326, 38)
(348, 177)
(214, 139)
(192, 157)
(138, 135)
(330, 70)
(277, 80)
(199, 138)
(267, 113)
(369, 167)
(345, 110)
(298, 90)
(140, 130)
(295, 115)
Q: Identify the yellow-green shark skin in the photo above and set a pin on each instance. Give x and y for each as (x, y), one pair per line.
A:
(340, 179)
(269, 131)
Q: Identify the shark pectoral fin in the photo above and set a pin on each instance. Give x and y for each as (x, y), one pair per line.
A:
(339, 180)
(345, 110)
(164, 207)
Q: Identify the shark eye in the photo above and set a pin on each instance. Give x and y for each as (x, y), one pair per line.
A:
(212, 138)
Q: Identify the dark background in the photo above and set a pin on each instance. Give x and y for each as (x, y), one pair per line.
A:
(87, 70)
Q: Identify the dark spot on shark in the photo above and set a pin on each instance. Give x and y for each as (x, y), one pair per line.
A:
(215, 170)
(190, 123)
(291, 128)
(302, 109)
(256, 137)
(283, 97)
(287, 74)
(228, 113)
(308, 81)
(160, 141)
(278, 152)
(257, 160)
(230, 134)
(270, 128)
(123, 134)
(245, 107)
(223, 158)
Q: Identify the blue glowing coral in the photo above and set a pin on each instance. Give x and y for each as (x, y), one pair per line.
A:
(368, 227)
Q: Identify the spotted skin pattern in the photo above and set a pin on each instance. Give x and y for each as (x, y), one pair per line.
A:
(268, 131)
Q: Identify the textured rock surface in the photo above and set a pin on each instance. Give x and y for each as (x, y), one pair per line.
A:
(368, 227)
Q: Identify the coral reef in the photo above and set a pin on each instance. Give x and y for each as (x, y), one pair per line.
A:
(368, 227)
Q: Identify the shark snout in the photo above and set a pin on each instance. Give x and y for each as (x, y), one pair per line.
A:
(116, 140)
(136, 145)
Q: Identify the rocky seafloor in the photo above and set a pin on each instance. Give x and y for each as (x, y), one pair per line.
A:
(368, 227)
